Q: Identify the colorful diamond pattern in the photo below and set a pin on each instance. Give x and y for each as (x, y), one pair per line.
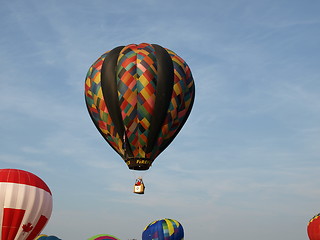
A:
(136, 89)
(97, 107)
(181, 101)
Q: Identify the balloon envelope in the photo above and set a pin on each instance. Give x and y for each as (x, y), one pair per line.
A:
(41, 237)
(313, 228)
(46, 237)
(139, 97)
(164, 229)
(25, 204)
(103, 237)
(52, 238)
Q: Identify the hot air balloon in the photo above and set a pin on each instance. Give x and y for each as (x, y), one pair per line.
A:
(313, 228)
(163, 229)
(53, 238)
(139, 97)
(46, 237)
(41, 237)
(103, 237)
(25, 204)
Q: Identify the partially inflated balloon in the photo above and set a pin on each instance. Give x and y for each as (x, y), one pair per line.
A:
(164, 229)
(313, 228)
(103, 237)
(139, 97)
(25, 204)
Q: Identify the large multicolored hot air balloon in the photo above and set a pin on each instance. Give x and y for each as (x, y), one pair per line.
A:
(163, 229)
(25, 205)
(139, 97)
(103, 237)
(313, 228)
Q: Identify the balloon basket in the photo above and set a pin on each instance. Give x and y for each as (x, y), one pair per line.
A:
(139, 186)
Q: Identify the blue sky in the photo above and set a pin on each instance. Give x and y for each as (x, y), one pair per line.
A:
(246, 164)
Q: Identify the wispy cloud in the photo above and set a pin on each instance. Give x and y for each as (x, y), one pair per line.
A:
(17, 160)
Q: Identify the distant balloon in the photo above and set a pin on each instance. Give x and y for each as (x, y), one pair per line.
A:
(41, 237)
(139, 97)
(25, 204)
(103, 237)
(313, 228)
(164, 229)
(46, 237)
(52, 238)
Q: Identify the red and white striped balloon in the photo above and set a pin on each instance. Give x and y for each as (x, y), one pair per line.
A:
(25, 205)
